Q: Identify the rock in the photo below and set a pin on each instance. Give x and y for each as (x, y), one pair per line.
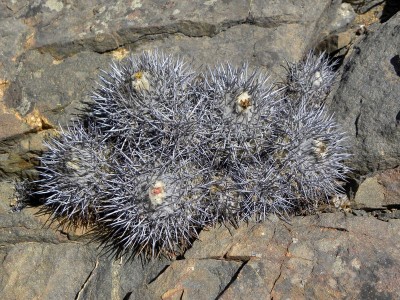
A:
(316, 257)
(370, 194)
(337, 41)
(51, 53)
(380, 191)
(366, 102)
(48, 264)
(40, 262)
(390, 180)
(11, 126)
(344, 16)
(70, 271)
(91, 28)
(390, 8)
(18, 154)
(362, 6)
(193, 279)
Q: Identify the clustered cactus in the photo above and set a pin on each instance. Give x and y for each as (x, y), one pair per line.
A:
(162, 152)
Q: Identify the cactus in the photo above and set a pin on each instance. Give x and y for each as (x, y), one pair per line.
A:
(165, 152)
(73, 173)
(313, 77)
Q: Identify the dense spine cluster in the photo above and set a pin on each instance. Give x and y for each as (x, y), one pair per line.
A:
(162, 152)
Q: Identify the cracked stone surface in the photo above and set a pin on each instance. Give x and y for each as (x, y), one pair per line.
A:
(332, 256)
(327, 256)
(51, 52)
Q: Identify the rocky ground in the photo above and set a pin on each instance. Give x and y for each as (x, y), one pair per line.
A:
(50, 55)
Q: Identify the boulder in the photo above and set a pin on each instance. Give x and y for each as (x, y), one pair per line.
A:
(367, 100)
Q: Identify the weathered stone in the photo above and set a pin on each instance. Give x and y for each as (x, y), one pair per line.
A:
(370, 194)
(337, 42)
(379, 191)
(55, 89)
(100, 26)
(390, 180)
(345, 15)
(11, 126)
(366, 103)
(193, 279)
(70, 271)
(362, 6)
(18, 155)
(64, 30)
(317, 257)
(47, 264)
(390, 7)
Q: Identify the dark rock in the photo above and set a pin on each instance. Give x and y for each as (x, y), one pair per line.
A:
(366, 102)
(390, 9)
(362, 6)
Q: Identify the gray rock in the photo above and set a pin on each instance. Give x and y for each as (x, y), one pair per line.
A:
(380, 191)
(70, 271)
(345, 15)
(370, 194)
(362, 6)
(367, 100)
(62, 31)
(18, 154)
(193, 279)
(56, 89)
(316, 257)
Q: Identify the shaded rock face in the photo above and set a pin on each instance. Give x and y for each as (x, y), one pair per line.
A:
(362, 6)
(367, 100)
(51, 53)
